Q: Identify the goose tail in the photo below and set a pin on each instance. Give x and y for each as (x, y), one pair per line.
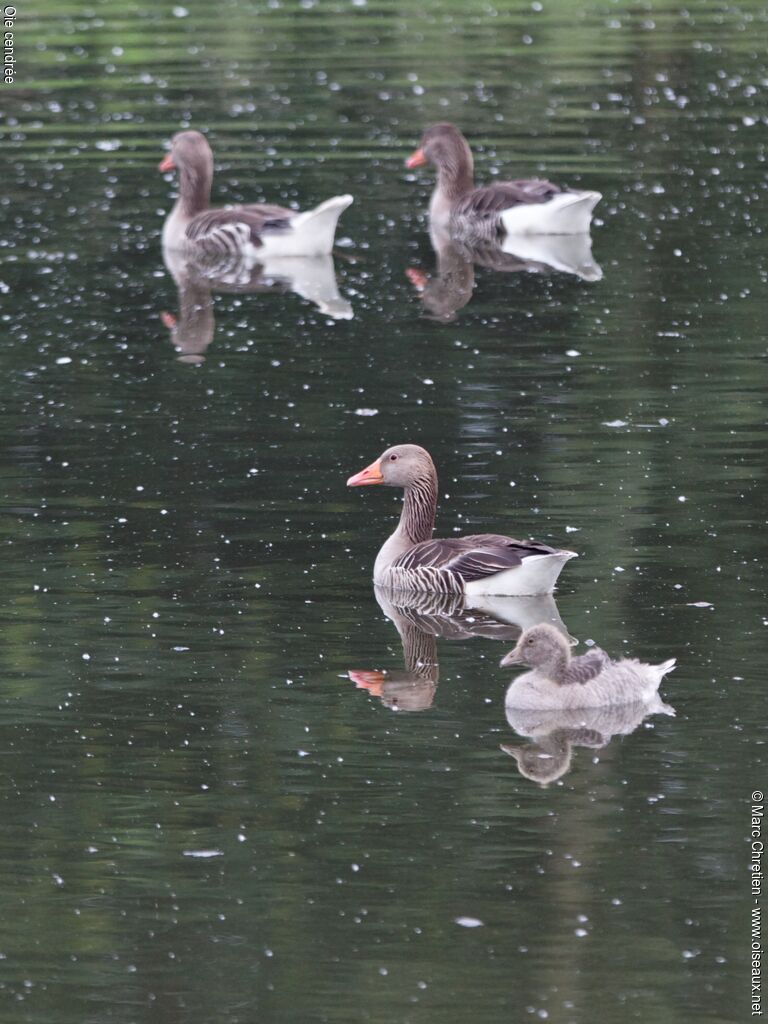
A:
(312, 232)
(566, 213)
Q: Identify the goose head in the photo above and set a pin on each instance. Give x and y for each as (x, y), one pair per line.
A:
(189, 153)
(542, 647)
(401, 466)
(443, 146)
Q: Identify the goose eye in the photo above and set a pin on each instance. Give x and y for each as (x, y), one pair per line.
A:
(529, 640)
(393, 458)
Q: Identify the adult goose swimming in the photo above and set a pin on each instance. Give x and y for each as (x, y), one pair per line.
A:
(559, 681)
(255, 230)
(523, 207)
(486, 563)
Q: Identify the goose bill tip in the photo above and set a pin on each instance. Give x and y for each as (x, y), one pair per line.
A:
(370, 475)
(166, 164)
(416, 159)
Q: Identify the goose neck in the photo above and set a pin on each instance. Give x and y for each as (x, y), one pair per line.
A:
(417, 520)
(194, 189)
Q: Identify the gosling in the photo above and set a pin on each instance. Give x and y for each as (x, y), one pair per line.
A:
(558, 681)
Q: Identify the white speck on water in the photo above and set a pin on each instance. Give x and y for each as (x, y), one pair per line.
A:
(468, 922)
(663, 422)
(580, 932)
(180, 12)
(682, 497)
(57, 879)
(366, 412)
(615, 423)
(427, 380)
(700, 604)
(572, 529)
(303, 753)
(107, 145)
(618, 568)
(383, 972)
(202, 853)
(63, 360)
(86, 657)
(572, 352)
(181, 649)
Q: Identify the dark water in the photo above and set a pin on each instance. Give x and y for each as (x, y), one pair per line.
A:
(204, 817)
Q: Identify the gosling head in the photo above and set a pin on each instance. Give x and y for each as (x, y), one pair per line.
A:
(400, 466)
(542, 646)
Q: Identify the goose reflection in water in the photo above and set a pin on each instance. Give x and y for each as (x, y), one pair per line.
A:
(450, 288)
(554, 734)
(422, 618)
(311, 277)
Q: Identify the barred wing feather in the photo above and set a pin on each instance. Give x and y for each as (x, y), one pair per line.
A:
(469, 558)
(494, 199)
(249, 222)
(586, 667)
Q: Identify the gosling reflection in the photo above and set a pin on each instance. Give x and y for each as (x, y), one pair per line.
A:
(311, 277)
(555, 734)
(427, 617)
(450, 288)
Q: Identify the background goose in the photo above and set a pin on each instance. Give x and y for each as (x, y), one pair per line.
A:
(527, 207)
(560, 681)
(258, 229)
(482, 564)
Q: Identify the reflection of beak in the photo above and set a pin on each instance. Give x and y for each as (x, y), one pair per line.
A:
(513, 658)
(166, 164)
(416, 159)
(370, 475)
(371, 681)
(417, 278)
(512, 751)
(168, 320)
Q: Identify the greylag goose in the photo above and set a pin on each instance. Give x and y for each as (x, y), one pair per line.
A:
(256, 230)
(483, 564)
(524, 207)
(559, 681)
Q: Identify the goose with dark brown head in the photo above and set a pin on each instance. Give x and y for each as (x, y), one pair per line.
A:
(256, 229)
(481, 564)
(522, 207)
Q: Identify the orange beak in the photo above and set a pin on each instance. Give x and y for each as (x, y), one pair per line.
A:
(416, 159)
(166, 164)
(373, 681)
(370, 475)
(168, 320)
(417, 278)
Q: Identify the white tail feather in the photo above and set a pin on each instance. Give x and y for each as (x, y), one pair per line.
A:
(536, 574)
(566, 213)
(666, 666)
(311, 233)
